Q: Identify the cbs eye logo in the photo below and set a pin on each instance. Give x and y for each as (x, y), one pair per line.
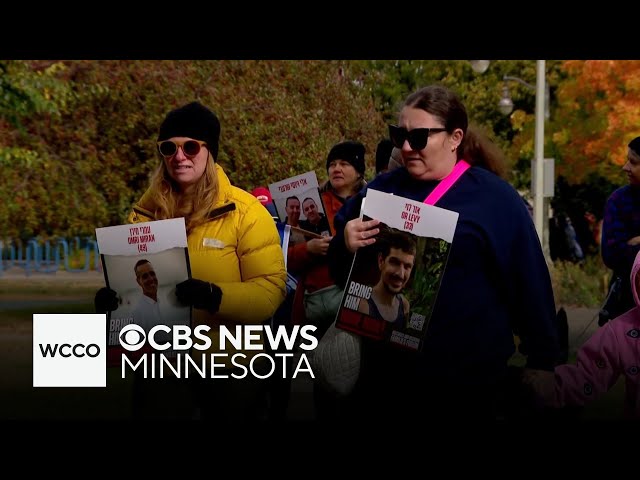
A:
(132, 337)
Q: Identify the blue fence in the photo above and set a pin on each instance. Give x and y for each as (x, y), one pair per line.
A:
(50, 256)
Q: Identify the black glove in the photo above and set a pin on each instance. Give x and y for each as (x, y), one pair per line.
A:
(202, 295)
(106, 300)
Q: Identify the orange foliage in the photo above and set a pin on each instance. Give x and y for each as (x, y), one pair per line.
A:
(598, 114)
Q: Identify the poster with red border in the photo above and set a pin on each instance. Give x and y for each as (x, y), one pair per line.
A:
(393, 283)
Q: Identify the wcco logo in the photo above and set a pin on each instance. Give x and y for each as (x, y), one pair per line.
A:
(78, 350)
(69, 350)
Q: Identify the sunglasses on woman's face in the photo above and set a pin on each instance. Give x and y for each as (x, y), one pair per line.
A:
(417, 137)
(191, 148)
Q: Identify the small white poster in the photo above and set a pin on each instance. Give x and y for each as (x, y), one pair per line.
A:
(143, 263)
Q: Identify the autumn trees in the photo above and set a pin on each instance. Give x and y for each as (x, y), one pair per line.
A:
(79, 151)
(77, 138)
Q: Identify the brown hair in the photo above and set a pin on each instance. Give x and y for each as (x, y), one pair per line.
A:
(389, 238)
(476, 148)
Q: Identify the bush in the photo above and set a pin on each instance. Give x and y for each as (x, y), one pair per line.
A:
(83, 164)
(583, 284)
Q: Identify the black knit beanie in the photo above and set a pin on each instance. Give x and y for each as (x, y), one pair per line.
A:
(194, 121)
(349, 151)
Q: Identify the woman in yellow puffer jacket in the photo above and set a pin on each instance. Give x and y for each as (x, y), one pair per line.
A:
(237, 265)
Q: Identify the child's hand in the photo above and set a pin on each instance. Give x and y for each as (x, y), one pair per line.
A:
(541, 383)
(634, 241)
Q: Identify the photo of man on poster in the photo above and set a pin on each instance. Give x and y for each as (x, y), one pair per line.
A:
(396, 259)
(146, 313)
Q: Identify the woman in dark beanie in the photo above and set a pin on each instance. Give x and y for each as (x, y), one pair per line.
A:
(317, 298)
(345, 166)
(234, 249)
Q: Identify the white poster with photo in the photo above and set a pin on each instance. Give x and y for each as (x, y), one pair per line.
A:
(298, 203)
(393, 283)
(143, 263)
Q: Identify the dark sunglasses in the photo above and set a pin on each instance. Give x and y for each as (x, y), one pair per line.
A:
(191, 148)
(417, 137)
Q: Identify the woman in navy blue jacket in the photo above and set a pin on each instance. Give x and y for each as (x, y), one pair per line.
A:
(496, 281)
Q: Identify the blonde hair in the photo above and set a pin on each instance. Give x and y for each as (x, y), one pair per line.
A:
(166, 200)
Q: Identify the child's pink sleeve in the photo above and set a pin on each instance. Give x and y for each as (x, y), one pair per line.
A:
(596, 370)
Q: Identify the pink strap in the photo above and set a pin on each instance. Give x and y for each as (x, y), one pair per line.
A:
(447, 182)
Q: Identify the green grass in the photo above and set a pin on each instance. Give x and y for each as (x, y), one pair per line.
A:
(13, 321)
(27, 313)
(580, 285)
(573, 285)
(20, 400)
(73, 288)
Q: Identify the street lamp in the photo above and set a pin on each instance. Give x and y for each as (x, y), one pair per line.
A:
(505, 105)
(538, 203)
(479, 66)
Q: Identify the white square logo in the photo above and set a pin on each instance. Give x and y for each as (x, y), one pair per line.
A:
(69, 350)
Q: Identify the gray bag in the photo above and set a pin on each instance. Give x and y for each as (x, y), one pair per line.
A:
(321, 306)
(336, 359)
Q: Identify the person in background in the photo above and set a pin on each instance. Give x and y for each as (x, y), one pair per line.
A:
(316, 221)
(264, 196)
(383, 154)
(279, 386)
(621, 230)
(595, 227)
(292, 209)
(345, 167)
(496, 279)
(234, 251)
(395, 160)
(317, 297)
